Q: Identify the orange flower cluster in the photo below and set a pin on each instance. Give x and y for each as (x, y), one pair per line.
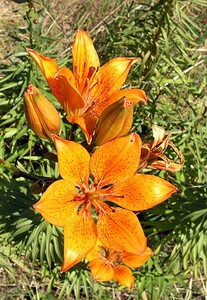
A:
(89, 89)
(96, 198)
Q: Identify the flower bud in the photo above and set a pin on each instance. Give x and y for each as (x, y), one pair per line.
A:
(41, 115)
(115, 121)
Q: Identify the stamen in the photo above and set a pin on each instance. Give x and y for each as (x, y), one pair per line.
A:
(87, 87)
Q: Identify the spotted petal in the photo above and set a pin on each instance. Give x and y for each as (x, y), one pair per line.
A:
(116, 160)
(120, 230)
(57, 204)
(73, 161)
(84, 57)
(141, 192)
(133, 95)
(79, 238)
(112, 76)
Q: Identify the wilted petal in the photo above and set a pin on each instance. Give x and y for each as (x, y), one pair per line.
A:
(73, 160)
(123, 276)
(120, 230)
(101, 270)
(162, 165)
(158, 134)
(79, 238)
(112, 76)
(84, 57)
(116, 160)
(57, 204)
(141, 192)
(134, 260)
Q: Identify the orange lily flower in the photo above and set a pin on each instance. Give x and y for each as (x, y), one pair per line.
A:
(89, 89)
(88, 182)
(105, 264)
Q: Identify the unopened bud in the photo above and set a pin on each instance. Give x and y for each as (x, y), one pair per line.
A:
(115, 121)
(41, 115)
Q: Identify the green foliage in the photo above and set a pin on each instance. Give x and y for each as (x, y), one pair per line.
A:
(170, 39)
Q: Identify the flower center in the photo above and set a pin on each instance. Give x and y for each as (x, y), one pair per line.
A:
(109, 255)
(91, 198)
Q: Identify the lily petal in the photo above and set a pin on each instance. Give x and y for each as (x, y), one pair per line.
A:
(95, 252)
(57, 205)
(134, 260)
(116, 160)
(71, 96)
(84, 57)
(101, 270)
(79, 238)
(49, 67)
(112, 76)
(141, 192)
(123, 276)
(87, 124)
(133, 95)
(73, 160)
(120, 230)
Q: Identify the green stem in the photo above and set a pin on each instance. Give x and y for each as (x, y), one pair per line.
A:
(168, 7)
(19, 173)
(73, 132)
(30, 28)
